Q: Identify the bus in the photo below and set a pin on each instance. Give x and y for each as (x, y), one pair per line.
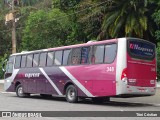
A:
(121, 67)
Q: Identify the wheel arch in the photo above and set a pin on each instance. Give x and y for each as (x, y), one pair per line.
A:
(66, 85)
(16, 84)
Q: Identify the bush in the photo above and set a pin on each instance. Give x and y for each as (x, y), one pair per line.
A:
(2, 59)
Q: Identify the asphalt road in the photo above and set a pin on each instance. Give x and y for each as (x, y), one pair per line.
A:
(9, 102)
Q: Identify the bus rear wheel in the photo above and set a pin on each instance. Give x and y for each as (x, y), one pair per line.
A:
(20, 93)
(71, 94)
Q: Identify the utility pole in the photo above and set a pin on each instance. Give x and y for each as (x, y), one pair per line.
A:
(14, 42)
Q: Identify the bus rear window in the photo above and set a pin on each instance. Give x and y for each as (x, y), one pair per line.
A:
(141, 49)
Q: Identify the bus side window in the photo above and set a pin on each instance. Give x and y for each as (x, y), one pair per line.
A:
(18, 62)
(43, 57)
(29, 60)
(58, 58)
(66, 56)
(23, 61)
(98, 54)
(85, 53)
(76, 56)
(110, 53)
(35, 59)
(50, 58)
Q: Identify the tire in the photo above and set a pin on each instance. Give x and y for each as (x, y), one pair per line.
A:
(71, 94)
(20, 93)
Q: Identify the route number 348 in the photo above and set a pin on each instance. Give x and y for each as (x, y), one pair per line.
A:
(110, 69)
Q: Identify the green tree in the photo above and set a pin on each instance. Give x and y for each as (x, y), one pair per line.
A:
(117, 18)
(156, 17)
(158, 61)
(47, 29)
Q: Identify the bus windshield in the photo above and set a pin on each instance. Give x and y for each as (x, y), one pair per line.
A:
(141, 49)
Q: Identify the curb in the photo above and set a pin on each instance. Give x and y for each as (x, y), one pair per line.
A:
(158, 84)
(1, 81)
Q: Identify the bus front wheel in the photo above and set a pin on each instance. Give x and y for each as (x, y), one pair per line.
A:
(71, 94)
(20, 93)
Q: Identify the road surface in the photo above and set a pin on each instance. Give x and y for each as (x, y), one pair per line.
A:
(10, 102)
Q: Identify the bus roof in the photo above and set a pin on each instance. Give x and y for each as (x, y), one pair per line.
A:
(67, 47)
(90, 43)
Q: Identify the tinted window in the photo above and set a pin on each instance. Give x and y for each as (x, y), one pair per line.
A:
(42, 58)
(58, 58)
(141, 49)
(85, 54)
(9, 66)
(23, 61)
(35, 60)
(29, 60)
(50, 58)
(110, 53)
(76, 56)
(98, 54)
(18, 62)
(65, 56)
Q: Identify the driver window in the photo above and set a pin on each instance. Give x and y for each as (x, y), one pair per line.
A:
(9, 67)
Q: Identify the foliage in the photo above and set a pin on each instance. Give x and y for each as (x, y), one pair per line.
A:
(117, 18)
(158, 61)
(46, 29)
(2, 59)
(5, 33)
(156, 17)
(157, 20)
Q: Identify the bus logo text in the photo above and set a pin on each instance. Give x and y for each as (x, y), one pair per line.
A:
(137, 47)
(29, 75)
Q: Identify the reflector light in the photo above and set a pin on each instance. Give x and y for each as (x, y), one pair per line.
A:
(124, 74)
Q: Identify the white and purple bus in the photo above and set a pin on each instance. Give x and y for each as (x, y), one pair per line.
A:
(121, 67)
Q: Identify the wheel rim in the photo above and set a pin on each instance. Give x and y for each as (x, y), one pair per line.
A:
(71, 94)
(20, 91)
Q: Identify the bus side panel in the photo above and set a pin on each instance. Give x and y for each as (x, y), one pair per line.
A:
(95, 80)
(48, 80)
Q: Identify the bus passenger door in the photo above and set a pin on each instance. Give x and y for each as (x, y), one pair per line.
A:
(8, 73)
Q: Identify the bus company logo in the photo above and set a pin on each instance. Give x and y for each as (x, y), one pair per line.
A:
(137, 47)
(32, 75)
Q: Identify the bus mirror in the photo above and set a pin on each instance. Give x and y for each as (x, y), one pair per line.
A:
(3, 65)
